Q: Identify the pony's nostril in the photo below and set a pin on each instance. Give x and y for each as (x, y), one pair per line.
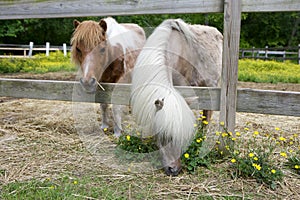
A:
(81, 81)
(92, 81)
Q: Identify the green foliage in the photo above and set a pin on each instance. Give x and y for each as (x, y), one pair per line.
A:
(268, 71)
(192, 158)
(293, 162)
(65, 187)
(40, 63)
(258, 157)
(132, 147)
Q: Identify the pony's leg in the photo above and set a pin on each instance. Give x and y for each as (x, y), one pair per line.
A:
(104, 122)
(117, 110)
(208, 114)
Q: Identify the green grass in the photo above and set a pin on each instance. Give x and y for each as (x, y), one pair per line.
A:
(62, 188)
(268, 71)
(249, 70)
(40, 63)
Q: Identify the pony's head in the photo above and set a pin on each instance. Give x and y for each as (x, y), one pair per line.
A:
(90, 51)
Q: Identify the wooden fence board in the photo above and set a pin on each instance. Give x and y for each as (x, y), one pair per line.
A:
(232, 27)
(248, 100)
(60, 8)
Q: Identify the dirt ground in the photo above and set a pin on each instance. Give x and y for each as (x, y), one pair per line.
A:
(41, 139)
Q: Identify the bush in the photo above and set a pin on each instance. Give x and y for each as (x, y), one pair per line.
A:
(39, 63)
(268, 71)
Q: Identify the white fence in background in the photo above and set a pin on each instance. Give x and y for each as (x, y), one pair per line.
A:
(10, 50)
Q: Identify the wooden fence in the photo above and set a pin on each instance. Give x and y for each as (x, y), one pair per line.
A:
(28, 49)
(228, 97)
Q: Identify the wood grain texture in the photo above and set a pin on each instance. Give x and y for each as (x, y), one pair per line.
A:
(248, 100)
(75, 8)
(232, 26)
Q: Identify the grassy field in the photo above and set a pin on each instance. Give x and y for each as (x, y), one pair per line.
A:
(249, 70)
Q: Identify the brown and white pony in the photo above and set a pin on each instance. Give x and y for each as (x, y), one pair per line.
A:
(106, 51)
(175, 54)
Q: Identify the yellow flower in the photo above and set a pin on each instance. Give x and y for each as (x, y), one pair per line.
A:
(277, 129)
(258, 167)
(233, 139)
(283, 154)
(218, 142)
(295, 135)
(195, 125)
(203, 117)
(52, 187)
(138, 133)
(205, 122)
(222, 123)
(224, 134)
(199, 140)
(199, 118)
(227, 147)
(251, 155)
(246, 129)
(233, 160)
(221, 152)
(105, 129)
(291, 151)
(273, 171)
(128, 137)
(291, 142)
(297, 166)
(282, 139)
(186, 155)
(75, 182)
(255, 158)
(218, 133)
(256, 133)
(238, 134)
(201, 112)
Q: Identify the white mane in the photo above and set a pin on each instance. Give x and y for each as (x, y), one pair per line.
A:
(152, 80)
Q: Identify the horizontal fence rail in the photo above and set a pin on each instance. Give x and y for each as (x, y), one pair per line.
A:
(248, 100)
(60, 8)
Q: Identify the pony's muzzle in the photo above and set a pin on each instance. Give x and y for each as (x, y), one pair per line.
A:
(89, 85)
(172, 171)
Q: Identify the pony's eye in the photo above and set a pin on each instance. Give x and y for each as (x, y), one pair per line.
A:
(78, 50)
(102, 50)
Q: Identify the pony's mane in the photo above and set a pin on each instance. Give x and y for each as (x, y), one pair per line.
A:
(89, 34)
(152, 80)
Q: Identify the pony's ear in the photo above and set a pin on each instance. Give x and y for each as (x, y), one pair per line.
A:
(103, 25)
(76, 23)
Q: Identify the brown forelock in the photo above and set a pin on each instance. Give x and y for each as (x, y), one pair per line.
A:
(88, 34)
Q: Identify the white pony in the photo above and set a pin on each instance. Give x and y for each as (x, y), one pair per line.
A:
(175, 54)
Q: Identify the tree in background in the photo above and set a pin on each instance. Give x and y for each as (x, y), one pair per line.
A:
(258, 29)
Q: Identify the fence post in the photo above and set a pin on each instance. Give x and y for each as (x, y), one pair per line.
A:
(253, 52)
(232, 27)
(65, 49)
(299, 54)
(266, 52)
(47, 48)
(30, 49)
